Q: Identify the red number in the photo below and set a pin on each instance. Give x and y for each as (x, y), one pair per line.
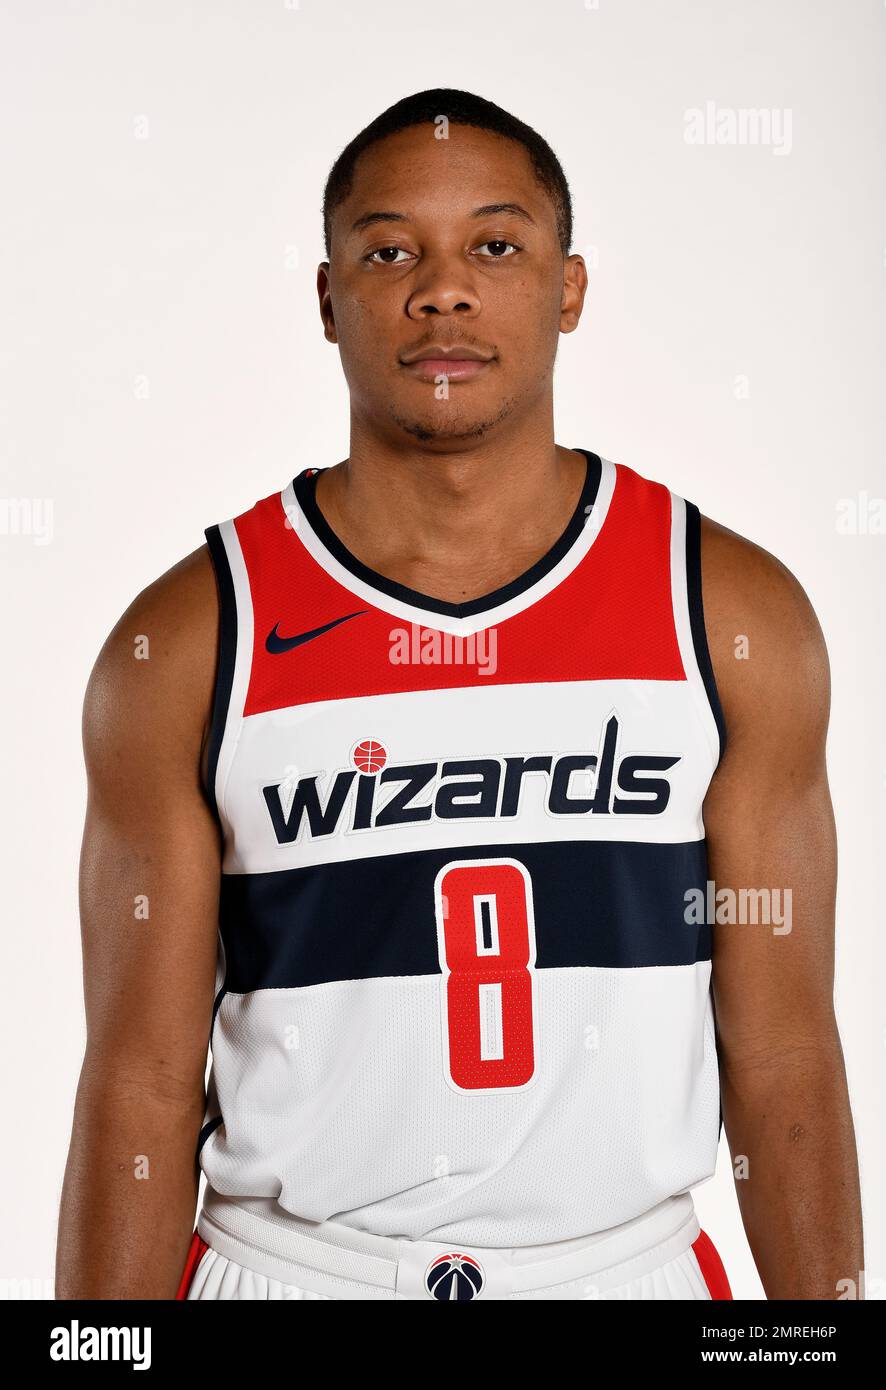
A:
(486, 937)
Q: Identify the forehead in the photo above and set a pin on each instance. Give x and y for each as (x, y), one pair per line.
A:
(418, 175)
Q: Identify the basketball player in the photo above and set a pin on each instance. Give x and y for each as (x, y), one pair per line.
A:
(416, 814)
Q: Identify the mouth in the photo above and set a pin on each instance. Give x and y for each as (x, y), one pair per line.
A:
(451, 363)
(451, 368)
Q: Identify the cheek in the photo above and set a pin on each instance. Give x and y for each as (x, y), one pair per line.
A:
(356, 314)
(531, 305)
(529, 314)
(365, 329)
(357, 305)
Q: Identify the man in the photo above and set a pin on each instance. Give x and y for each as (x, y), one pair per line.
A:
(433, 743)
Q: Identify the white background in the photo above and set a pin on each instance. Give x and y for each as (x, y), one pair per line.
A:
(163, 366)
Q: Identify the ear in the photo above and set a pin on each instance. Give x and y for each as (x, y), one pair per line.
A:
(324, 294)
(575, 284)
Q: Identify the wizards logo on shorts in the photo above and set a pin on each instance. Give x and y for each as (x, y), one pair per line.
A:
(455, 1278)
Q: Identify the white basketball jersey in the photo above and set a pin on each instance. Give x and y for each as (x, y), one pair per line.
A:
(463, 977)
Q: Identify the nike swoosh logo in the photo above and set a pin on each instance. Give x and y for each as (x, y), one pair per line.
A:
(276, 644)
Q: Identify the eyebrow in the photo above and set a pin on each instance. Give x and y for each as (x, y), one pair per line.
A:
(488, 210)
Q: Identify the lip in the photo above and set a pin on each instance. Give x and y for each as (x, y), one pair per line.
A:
(456, 363)
(452, 368)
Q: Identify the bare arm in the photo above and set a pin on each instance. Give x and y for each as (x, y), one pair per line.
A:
(149, 907)
(770, 825)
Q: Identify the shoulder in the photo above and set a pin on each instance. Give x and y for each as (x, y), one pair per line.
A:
(766, 644)
(153, 680)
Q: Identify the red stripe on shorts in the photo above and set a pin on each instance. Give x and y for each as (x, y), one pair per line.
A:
(196, 1252)
(711, 1267)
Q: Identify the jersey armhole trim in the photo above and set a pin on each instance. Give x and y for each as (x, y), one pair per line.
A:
(207, 1132)
(696, 619)
(227, 652)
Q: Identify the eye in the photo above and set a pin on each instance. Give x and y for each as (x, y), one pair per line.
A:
(502, 249)
(382, 252)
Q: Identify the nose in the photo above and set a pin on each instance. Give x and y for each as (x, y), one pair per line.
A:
(444, 286)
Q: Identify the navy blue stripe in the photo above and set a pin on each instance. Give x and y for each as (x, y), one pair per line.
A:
(304, 490)
(224, 681)
(217, 1005)
(209, 1128)
(717, 1044)
(227, 651)
(596, 903)
(696, 618)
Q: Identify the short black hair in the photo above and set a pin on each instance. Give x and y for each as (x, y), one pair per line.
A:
(460, 108)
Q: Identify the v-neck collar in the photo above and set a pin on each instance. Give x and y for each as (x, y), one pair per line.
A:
(474, 615)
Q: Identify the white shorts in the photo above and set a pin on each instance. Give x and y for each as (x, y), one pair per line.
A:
(236, 1255)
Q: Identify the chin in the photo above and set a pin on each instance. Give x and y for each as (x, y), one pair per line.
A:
(450, 426)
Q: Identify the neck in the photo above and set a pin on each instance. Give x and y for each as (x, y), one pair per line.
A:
(451, 522)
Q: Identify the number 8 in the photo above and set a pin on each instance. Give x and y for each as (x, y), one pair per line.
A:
(486, 941)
